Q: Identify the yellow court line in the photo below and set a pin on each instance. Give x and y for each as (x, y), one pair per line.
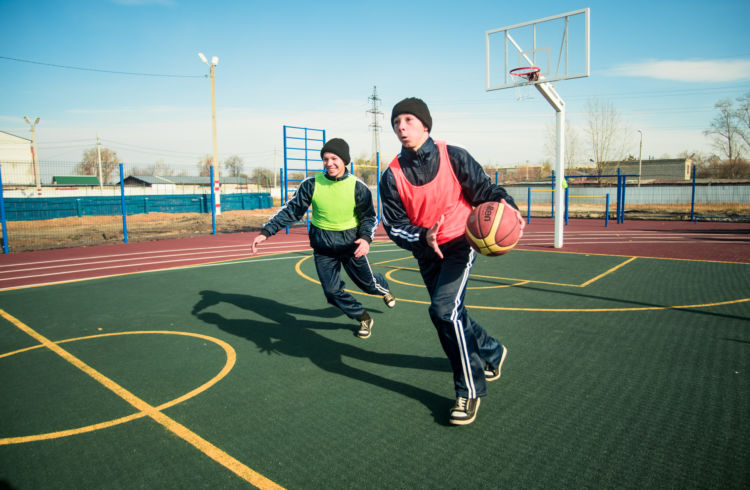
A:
(558, 310)
(606, 273)
(601, 310)
(228, 350)
(521, 248)
(518, 280)
(168, 423)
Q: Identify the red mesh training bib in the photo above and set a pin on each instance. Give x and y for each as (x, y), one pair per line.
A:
(425, 204)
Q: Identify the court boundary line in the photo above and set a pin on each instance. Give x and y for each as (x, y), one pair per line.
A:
(556, 310)
(215, 453)
(228, 350)
(520, 248)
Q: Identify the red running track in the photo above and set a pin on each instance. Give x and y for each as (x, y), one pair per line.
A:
(712, 241)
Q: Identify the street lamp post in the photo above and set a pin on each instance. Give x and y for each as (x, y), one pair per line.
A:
(34, 162)
(215, 162)
(640, 160)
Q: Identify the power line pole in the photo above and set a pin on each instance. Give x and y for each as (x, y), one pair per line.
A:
(374, 125)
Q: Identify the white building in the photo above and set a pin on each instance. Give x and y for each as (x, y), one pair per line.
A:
(16, 160)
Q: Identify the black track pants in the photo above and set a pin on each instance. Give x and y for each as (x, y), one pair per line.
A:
(358, 269)
(466, 343)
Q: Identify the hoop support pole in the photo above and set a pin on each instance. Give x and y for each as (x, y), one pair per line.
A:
(549, 93)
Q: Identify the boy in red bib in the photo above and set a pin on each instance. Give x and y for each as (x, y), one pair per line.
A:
(428, 192)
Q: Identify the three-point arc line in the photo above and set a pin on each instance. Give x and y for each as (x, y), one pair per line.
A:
(210, 450)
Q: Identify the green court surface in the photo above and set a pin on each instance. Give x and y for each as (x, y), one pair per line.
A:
(622, 373)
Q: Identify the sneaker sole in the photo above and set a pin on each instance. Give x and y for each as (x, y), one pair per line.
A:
(367, 335)
(499, 367)
(468, 421)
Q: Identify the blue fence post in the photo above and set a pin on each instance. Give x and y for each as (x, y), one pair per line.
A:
(692, 199)
(282, 182)
(123, 207)
(377, 183)
(619, 198)
(2, 214)
(606, 212)
(617, 202)
(566, 205)
(553, 195)
(528, 206)
(624, 189)
(213, 201)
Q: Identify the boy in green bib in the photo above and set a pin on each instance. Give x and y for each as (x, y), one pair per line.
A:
(343, 226)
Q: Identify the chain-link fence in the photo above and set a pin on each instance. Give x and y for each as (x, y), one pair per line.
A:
(51, 205)
(703, 200)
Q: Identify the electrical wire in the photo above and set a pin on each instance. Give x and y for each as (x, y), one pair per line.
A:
(113, 72)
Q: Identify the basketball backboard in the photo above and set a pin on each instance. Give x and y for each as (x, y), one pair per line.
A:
(558, 46)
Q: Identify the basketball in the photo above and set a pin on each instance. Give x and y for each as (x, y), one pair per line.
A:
(493, 228)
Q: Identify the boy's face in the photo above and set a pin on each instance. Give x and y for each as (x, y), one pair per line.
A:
(334, 165)
(410, 131)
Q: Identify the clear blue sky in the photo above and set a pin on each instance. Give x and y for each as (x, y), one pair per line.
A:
(314, 64)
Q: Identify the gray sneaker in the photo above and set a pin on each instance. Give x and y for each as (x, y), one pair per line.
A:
(464, 411)
(389, 299)
(365, 326)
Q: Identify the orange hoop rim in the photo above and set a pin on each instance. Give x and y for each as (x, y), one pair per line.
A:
(530, 73)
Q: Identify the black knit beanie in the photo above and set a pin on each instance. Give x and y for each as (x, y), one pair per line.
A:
(338, 147)
(415, 106)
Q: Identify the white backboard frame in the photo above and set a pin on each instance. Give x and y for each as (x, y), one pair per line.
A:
(559, 45)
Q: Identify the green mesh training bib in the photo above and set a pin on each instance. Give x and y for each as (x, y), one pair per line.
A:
(333, 203)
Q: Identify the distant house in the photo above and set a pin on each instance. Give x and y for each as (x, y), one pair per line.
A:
(16, 160)
(75, 180)
(185, 184)
(670, 169)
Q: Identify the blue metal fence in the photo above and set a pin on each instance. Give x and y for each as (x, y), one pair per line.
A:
(36, 208)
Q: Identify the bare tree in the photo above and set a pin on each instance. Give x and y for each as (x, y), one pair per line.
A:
(725, 130)
(158, 168)
(89, 164)
(743, 118)
(365, 170)
(204, 166)
(234, 165)
(571, 144)
(263, 177)
(609, 137)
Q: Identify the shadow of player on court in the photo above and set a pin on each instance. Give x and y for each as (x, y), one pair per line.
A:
(286, 334)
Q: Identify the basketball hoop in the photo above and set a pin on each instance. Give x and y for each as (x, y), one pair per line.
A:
(523, 78)
(530, 73)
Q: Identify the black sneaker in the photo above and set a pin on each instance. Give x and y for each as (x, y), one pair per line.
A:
(389, 299)
(365, 325)
(490, 373)
(465, 410)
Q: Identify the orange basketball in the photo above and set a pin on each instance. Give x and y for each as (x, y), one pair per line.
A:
(493, 228)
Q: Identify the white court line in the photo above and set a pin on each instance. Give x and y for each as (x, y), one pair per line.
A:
(226, 260)
(137, 255)
(184, 251)
(118, 259)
